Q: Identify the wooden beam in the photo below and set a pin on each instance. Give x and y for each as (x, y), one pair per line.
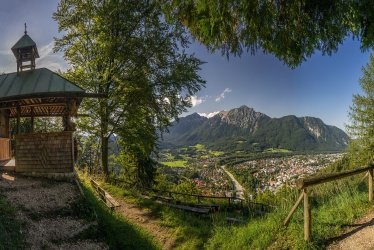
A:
(32, 120)
(18, 119)
(306, 182)
(33, 105)
(307, 217)
(287, 220)
(51, 95)
(370, 185)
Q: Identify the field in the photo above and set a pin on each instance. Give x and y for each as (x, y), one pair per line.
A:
(175, 163)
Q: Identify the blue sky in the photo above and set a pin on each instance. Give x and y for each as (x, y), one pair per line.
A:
(321, 87)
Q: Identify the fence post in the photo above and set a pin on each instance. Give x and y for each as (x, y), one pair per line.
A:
(370, 184)
(307, 216)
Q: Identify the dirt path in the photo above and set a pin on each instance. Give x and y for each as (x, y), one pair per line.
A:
(144, 219)
(359, 236)
(47, 209)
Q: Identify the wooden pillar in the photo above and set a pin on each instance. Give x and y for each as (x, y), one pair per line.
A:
(4, 124)
(18, 119)
(307, 217)
(32, 120)
(370, 185)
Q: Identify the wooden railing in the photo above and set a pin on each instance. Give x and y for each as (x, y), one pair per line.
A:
(5, 151)
(305, 183)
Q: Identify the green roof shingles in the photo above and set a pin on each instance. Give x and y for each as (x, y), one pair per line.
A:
(35, 82)
(24, 41)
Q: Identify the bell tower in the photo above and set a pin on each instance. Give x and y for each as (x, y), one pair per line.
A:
(25, 51)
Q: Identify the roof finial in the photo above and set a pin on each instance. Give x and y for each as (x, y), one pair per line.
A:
(25, 29)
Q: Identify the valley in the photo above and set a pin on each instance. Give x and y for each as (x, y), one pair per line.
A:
(262, 153)
(211, 172)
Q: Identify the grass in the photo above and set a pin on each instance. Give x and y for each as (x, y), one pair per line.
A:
(179, 164)
(277, 150)
(216, 153)
(11, 228)
(117, 232)
(334, 205)
(198, 147)
(191, 231)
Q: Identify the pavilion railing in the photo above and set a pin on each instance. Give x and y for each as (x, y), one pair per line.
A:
(304, 185)
(5, 150)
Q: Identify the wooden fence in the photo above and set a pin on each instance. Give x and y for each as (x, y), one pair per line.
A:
(229, 199)
(5, 151)
(305, 183)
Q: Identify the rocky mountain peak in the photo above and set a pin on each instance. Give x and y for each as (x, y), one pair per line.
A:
(244, 117)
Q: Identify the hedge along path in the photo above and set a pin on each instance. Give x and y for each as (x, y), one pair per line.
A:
(46, 207)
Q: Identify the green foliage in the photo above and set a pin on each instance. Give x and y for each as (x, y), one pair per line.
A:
(11, 236)
(125, 50)
(291, 30)
(362, 118)
(41, 124)
(186, 187)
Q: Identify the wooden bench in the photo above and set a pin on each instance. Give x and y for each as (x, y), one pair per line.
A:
(190, 209)
(234, 220)
(105, 196)
(213, 207)
(163, 198)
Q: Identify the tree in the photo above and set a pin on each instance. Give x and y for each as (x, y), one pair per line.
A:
(125, 50)
(291, 30)
(362, 118)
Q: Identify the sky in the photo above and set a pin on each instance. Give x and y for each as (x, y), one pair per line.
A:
(321, 87)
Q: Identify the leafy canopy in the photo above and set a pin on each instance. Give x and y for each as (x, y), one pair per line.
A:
(126, 50)
(362, 118)
(291, 30)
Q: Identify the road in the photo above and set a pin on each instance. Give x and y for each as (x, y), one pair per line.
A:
(239, 190)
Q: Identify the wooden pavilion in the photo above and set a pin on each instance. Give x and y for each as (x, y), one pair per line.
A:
(32, 92)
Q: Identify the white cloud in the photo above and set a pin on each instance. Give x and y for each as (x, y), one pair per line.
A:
(195, 100)
(209, 115)
(48, 59)
(222, 95)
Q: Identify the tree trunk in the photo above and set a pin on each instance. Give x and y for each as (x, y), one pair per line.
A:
(104, 155)
(104, 136)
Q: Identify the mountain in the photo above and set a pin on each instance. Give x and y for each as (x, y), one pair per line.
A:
(245, 129)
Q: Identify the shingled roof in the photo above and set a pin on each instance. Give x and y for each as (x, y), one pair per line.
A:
(40, 82)
(23, 42)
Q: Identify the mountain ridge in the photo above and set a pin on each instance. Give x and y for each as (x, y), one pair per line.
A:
(243, 128)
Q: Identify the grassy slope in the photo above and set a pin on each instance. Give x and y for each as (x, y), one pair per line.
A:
(10, 228)
(191, 231)
(114, 228)
(334, 205)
